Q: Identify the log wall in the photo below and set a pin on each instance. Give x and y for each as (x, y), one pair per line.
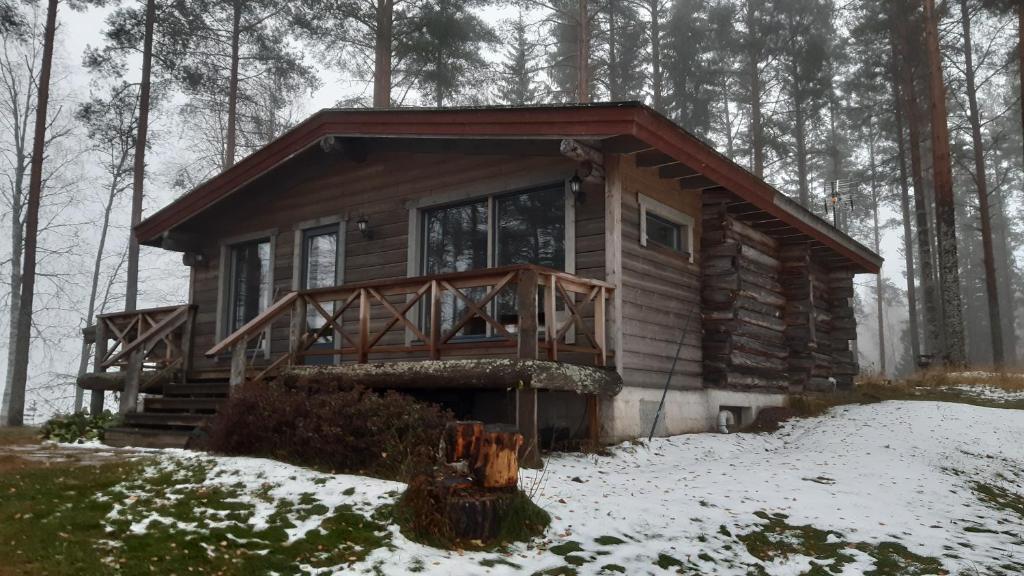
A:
(744, 331)
(774, 317)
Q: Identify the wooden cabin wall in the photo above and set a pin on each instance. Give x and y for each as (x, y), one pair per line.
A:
(744, 332)
(381, 188)
(660, 289)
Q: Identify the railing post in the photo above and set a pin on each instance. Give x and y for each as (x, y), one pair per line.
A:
(364, 326)
(526, 302)
(550, 318)
(600, 328)
(297, 328)
(435, 320)
(238, 361)
(100, 350)
(132, 381)
(186, 343)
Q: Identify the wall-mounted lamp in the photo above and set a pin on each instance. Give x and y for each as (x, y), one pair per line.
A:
(364, 227)
(576, 187)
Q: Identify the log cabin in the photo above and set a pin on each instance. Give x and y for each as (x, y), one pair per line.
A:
(589, 271)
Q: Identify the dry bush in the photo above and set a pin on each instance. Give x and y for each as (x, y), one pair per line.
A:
(325, 424)
(945, 378)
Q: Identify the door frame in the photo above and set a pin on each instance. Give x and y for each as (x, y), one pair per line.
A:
(340, 223)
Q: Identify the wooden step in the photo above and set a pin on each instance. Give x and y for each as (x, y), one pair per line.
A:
(164, 420)
(197, 389)
(158, 404)
(127, 436)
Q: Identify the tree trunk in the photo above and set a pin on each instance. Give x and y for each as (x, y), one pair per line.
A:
(83, 361)
(981, 184)
(800, 129)
(19, 380)
(236, 34)
(945, 203)
(756, 126)
(932, 332)
(139, 176)
(879, 284)
(382, 54)
(656, 72)
(908, 233)
(583, 53)
(612, 74)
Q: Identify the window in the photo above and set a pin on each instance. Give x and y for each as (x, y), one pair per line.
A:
(663, 225)
(250, 282)
(526, 227)
(320, 265)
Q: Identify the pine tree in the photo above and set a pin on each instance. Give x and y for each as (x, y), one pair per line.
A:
(618, 46)
(693, 83)
(805, 57)
(954, 353)
(445, 52)
(517, 77)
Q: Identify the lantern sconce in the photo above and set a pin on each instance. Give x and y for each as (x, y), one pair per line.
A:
(364, 227)
(576, 187)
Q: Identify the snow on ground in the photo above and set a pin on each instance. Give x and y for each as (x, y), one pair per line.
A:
(901, 472)
(988, 392)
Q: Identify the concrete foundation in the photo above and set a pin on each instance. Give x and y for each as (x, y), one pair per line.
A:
(630, 414)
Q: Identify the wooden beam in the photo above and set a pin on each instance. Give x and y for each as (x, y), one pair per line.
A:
(653, 159)
(526, 302)
(696, 183)
(677, 170)
(624, 145)
(526, 421)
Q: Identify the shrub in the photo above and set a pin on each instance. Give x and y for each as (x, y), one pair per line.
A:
(321, 422)
(77, 428)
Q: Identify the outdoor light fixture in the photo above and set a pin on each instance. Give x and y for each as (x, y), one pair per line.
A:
(364, 227)
(576, 187)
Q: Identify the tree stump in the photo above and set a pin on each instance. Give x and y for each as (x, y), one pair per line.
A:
(478, 484)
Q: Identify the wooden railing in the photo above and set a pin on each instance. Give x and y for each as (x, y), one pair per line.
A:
(151, 340)
(427, 317)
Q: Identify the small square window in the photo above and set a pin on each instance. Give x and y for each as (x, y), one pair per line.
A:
(665, 232)
(665, 226)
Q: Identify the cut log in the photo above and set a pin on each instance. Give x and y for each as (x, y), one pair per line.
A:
(497, 460)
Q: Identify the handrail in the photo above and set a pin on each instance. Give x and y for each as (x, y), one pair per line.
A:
(255, 325)
(157, 332)
(434, 334)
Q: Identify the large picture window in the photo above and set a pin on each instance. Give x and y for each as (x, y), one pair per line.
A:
(250, 282)
(526, 227)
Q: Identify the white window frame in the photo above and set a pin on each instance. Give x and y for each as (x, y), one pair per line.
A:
(224, 280)
(673, 215)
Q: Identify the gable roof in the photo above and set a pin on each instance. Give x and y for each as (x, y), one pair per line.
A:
(642, 126)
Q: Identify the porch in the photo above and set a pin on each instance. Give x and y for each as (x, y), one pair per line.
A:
(518, 328)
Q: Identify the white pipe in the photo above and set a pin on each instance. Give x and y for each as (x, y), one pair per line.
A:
(726, 419)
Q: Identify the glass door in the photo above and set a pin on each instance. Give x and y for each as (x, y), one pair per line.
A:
(320, 270)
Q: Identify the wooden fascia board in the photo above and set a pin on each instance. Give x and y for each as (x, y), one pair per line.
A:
(598, 122)
(662, 134)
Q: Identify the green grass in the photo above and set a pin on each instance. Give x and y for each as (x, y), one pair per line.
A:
(778, 539)
(54, 520)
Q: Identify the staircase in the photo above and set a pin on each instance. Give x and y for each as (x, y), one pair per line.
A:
(169, 420)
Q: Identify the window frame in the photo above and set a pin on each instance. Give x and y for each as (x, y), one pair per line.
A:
(225, 281)
(670, 215)
(340, 225)
(416, 258)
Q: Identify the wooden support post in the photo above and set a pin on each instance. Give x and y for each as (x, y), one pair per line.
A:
(600, 327)
(238, 362)
(526, 421)
(526, 299)
(100, 352)
(132, 381)
(435, 320)
(593, 420)
(364, 326)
